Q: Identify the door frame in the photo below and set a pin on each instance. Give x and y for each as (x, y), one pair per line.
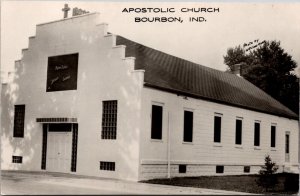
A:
(74, 144)
(287, 141)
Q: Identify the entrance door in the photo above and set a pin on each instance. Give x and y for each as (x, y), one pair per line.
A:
(287, 146)
(59, 151)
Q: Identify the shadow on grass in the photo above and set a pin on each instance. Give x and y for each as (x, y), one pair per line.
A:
(287, 183)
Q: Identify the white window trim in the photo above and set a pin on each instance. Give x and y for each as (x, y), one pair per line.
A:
(156, 140)
(238, 146)
(188, 143)
(157, 103)
(217, 144)
(218, 114)
(188, 109)
(273, 149)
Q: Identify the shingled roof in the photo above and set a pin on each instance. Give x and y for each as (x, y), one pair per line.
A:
(176, 75)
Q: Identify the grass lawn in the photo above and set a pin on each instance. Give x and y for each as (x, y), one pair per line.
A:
(287, 183)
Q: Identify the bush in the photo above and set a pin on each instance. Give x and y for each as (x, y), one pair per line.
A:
(267, 178)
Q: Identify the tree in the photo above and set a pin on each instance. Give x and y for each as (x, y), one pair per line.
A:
(267, 178)
(270, 68)
(269, 168)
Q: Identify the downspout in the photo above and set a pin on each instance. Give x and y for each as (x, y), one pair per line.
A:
(169, 147)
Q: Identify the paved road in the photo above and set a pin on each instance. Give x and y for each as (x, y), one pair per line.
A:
(42, 183)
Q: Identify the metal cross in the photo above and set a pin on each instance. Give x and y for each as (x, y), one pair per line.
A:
(65, 10)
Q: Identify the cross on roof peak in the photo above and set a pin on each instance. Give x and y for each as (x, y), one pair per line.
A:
(65, 10)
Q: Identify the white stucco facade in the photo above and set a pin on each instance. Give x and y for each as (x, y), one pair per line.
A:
(105, 74)
(98, 58)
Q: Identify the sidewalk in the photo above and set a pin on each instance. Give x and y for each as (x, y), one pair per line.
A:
(106, 185)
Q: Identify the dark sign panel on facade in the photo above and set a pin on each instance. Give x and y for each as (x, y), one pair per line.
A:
(62, 72)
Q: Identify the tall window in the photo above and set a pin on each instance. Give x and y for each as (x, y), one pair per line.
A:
(287, 143)
(156, 122)
(188, 126)
(287, 146)
(44, 146)
(74, 147)
(19, 121)
(238, 131)
(256, 134)
(273, 136)
(217, 129)
(109, 120)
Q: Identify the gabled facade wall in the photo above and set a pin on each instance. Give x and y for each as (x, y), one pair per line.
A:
(202, 154)
(103, 74)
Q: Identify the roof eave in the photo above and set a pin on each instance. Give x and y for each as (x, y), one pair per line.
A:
(178, 92)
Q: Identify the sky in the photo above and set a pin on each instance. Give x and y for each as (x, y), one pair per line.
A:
(204, 43)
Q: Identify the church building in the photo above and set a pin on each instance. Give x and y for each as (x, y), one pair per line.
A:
(85, 101)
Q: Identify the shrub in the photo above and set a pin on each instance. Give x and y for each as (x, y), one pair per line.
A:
(267, 178)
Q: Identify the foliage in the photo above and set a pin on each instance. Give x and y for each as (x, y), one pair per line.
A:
(270, 68)
(267, 178)
(235, 56)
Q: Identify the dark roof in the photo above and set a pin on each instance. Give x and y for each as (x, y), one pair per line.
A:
(173, 74)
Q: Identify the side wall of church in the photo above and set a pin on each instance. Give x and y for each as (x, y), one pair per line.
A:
(202, 155)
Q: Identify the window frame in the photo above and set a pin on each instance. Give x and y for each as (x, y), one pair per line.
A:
(287, 142)
(257, 137)
(113, 134)
(17, 159)
(273, 141)
(184, 125)
(241, 131)
(218, 115)
(107, 166)
(156, 104)
(16, 132)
